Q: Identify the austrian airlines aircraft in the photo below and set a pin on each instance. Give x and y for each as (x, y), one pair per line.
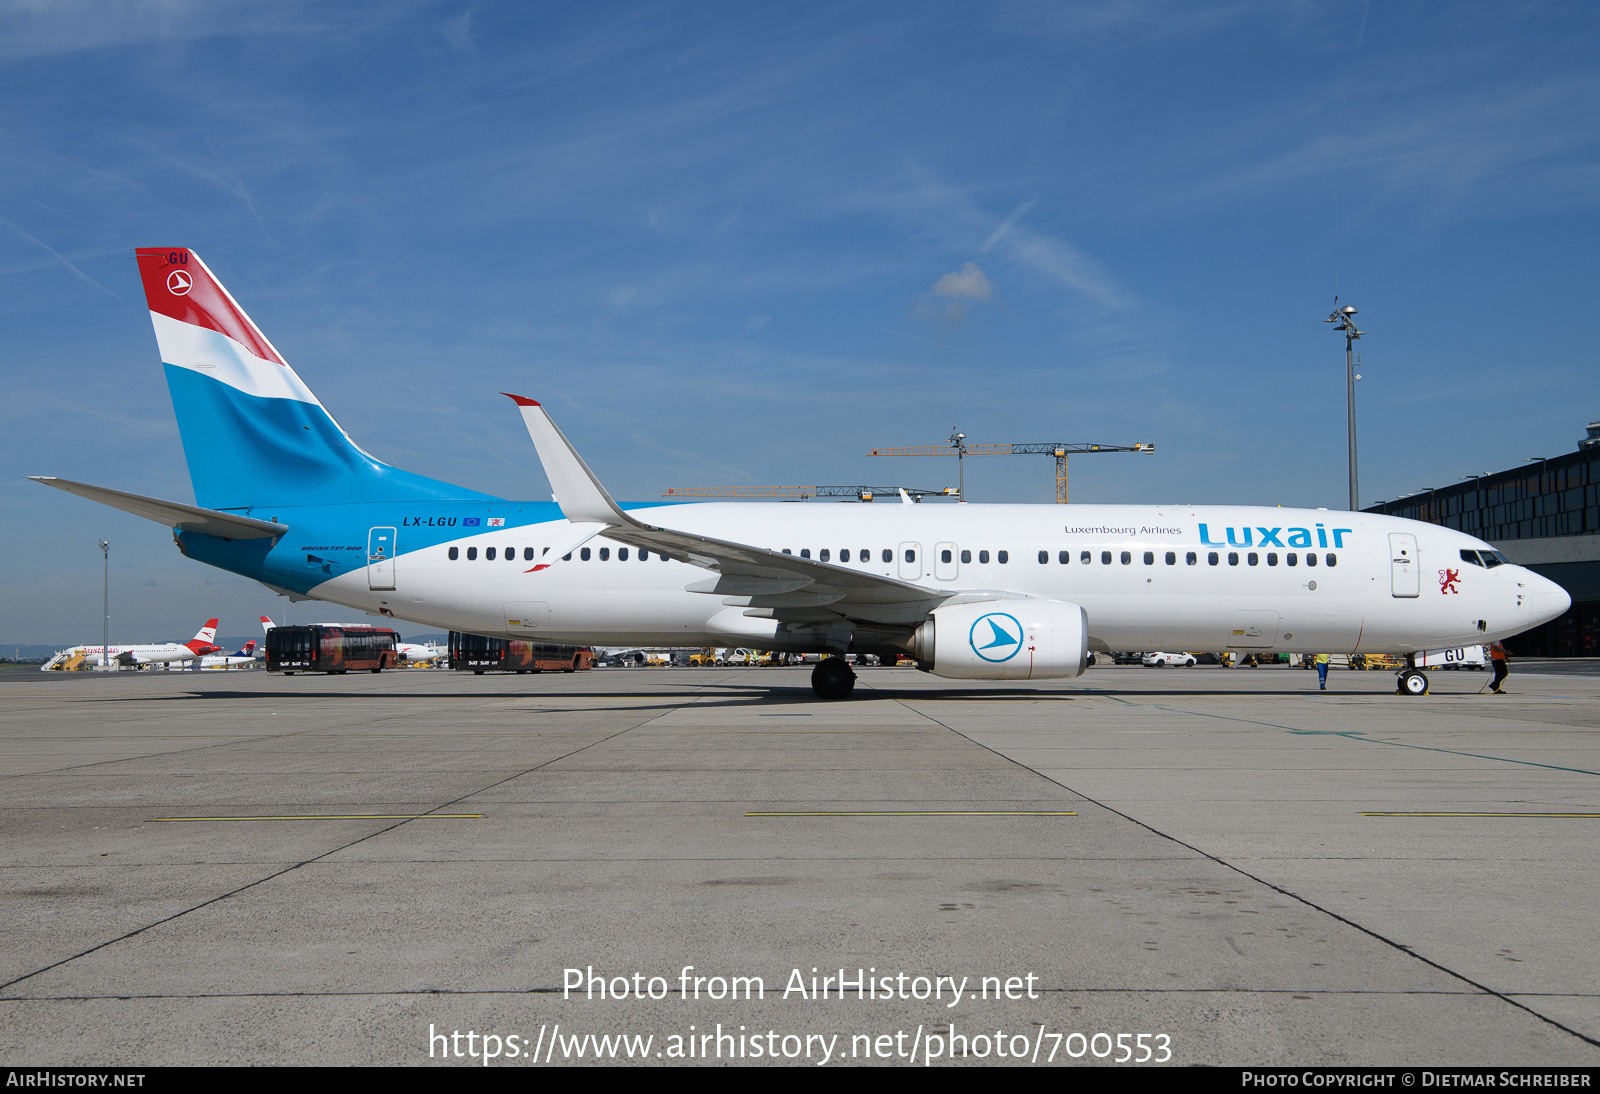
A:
(976, 592)
(161, 653)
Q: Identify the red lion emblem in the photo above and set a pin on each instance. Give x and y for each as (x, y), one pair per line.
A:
(1447, 581)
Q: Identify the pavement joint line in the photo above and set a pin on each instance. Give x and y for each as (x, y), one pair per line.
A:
(306, 862)
(1354, 735)
(920, 813)
(1368, 931)
(335, 817)
(1558, 816)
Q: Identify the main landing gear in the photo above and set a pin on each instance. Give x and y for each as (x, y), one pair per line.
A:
(1411, 682)
(833, 678)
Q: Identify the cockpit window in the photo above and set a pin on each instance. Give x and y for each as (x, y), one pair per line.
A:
(1492, 559)
(1471, 556)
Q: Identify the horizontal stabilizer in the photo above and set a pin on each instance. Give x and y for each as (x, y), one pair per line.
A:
(174, 514)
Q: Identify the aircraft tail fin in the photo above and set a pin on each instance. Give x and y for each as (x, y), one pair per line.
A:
(253, 433)
(204, 640)
(266, 624)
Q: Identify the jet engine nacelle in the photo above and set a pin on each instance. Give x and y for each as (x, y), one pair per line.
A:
(1025, 639)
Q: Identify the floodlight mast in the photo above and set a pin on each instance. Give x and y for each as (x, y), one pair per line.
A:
(1343, 318)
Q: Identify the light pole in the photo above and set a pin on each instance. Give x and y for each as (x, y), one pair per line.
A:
(105, 606)
(1342, 317)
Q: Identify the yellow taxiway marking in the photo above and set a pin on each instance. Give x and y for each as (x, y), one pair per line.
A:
(920, 813)
(1583, 816)
(339, 816)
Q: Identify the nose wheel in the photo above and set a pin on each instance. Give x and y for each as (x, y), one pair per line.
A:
(1411, 682)
(833, 678)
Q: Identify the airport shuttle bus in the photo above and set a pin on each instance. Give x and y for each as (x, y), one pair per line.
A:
(285, 497)
(478, 654)
(330, 649)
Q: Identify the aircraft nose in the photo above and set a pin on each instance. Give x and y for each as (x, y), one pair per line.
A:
(1546, 599)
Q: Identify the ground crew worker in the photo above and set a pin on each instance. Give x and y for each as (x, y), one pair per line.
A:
(1497, 654)
(1322, 671)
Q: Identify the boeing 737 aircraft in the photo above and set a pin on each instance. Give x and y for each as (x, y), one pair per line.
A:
(974, 592)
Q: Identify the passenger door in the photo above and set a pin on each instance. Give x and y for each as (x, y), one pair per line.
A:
(1404, 574)
(911, 561)
(945, 566)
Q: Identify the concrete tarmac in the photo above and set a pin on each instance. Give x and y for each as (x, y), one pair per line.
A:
(1226, 866)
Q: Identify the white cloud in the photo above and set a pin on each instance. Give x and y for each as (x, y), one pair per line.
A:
(966, 283)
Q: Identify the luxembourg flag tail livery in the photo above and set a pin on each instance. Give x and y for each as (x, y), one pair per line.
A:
(253, 434)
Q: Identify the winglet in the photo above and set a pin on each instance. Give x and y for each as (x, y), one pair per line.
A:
(578, 492)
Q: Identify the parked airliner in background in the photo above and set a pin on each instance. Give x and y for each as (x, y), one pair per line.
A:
(161, 653)
(976, 592)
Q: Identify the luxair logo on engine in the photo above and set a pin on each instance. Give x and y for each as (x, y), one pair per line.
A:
(996, 637)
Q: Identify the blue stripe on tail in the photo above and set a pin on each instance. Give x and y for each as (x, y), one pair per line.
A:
(245, 452)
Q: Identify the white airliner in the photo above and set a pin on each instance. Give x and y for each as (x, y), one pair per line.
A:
(162, 653)
(975, 592)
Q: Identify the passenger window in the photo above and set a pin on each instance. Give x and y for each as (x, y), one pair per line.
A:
(644, 556)
(1233, 558)
(1212, 558)
(1311, 559)
(1127, 557)
(1149, 558)
(584, 554)
(823, 555)
(983, 556)
(605, 554)
(564, 558)
(805, 552)
(966, 556)
(1105, 558)
(1085, 558)
(455, 553)
(1044, 558)
(1252, 558)
(1292, 559)
(888, 555)
(787, 551)
(844, 555)
(946, 556)
(511, 554)
(622, 554)
(488, 554)
(1172, 558)
(1272, 558)
(472, 554)
(527, 554)
(1332, 560)
(1064, 557)
(1191, 558)
(911, 556)
(1003, 557)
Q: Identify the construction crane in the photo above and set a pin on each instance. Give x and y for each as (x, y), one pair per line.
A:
(803, 493)
(959, 447)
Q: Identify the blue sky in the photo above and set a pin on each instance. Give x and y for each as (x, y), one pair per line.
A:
(737, 244)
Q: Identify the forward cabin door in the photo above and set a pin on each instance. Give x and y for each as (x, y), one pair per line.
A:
(1404, 573)
(380, 558)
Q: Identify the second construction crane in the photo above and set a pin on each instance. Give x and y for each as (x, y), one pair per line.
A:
(960, 449)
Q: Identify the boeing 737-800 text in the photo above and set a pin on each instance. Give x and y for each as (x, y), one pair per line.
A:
(988, 592)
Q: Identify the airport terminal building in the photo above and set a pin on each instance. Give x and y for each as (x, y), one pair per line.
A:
(1544, 515)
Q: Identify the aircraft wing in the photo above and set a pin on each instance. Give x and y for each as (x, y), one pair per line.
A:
(174, 514)
(787, 584)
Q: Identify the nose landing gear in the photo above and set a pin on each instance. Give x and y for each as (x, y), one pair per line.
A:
(1411, 682)
(833, 678)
